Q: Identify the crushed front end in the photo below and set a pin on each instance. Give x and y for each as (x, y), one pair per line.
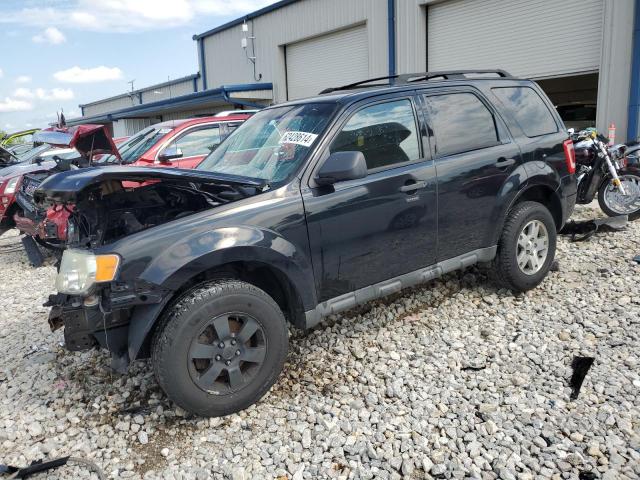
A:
(102, 301)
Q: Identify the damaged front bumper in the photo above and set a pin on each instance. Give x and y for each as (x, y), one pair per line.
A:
(120, 322)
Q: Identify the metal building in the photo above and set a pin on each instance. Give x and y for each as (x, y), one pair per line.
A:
(582, 52)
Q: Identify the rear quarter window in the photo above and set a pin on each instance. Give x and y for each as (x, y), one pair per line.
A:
(527, 109)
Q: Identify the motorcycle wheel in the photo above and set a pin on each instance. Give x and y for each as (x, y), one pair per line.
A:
(613, 203)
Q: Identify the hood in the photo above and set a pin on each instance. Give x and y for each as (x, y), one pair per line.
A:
(64, 187)
(89, 140)
(25, 168)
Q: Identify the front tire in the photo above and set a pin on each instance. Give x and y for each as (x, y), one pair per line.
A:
(526, 247)
(614, 204)
(220, 348)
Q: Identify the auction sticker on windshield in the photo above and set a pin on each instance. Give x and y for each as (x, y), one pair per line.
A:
(299, 138)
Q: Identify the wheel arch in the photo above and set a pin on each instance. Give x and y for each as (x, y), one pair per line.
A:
(539, 193)
(274, 278)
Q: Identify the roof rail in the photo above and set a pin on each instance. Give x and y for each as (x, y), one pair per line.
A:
(357, 84)
(449, 75)
(419, 77)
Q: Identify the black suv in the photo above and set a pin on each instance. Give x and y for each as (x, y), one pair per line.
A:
(310, 208)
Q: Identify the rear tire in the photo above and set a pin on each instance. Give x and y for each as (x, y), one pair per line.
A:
(526, 248)
(220, 348)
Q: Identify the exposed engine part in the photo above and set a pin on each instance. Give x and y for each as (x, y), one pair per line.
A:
(111, 211)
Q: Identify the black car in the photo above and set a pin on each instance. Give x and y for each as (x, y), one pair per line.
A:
(310, 208)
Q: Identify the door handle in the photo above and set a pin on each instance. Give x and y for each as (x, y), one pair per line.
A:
(413, 186)
(505, 162)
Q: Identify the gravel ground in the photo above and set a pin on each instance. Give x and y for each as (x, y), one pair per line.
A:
(452, 380)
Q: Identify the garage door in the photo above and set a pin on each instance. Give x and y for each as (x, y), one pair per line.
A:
(328, 61)
(528, 38)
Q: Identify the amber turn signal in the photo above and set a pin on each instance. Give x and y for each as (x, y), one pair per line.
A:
(106, 267)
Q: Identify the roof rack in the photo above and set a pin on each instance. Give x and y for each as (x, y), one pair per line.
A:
(419, 77)
(357, 84)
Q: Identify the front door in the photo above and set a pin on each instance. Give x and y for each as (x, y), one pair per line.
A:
(365, 231)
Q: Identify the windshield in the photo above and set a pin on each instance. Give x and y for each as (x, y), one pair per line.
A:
(32, 154)
(272, 144)
(137, 145)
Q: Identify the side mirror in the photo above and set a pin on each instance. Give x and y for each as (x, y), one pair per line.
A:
(170, 153)
(342, 166)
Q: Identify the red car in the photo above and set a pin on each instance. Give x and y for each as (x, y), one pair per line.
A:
(176, 143)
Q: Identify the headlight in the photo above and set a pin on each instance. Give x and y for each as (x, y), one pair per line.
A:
(80, 270)
(11, 186)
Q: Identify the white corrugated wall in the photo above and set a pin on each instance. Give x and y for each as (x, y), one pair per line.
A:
(155, 94)
(130, 126)
(528, 38)
(226, 61)
(330, 60)
(110, 105)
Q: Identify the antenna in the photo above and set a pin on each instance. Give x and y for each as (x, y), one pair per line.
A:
(245, 44)
(131, 83)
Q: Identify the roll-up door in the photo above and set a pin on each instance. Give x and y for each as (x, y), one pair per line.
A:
(528, 38)
(331, 60)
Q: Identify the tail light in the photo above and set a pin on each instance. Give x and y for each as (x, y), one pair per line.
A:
(570, 155)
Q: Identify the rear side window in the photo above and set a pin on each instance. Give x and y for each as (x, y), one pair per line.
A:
(198, 142)
(461, 123)
(528, 110)
(385, 133)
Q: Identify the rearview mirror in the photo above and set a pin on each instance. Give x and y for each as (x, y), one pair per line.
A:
(342, 166)
(170, 153)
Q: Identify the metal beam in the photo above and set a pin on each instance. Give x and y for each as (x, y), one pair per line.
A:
(633, 130)
(203, 65)
(391, 29)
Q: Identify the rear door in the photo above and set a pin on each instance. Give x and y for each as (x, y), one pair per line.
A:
(366, 231)
(475, 158)
(194, 144)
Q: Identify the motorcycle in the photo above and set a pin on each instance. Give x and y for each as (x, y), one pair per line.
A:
(611, 173)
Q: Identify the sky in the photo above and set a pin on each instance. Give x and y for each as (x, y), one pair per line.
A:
(57, 54)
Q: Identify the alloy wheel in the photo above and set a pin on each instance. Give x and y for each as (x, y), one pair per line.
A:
(533, 247)
(227, 353)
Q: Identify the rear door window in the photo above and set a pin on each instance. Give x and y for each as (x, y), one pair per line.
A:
(385, 133)
(528, 110)
(461, 122)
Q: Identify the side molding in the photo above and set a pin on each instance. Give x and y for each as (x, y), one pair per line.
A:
(393, 285)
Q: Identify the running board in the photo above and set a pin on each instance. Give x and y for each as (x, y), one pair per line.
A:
(393, 285)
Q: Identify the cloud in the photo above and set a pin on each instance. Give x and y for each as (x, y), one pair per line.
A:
(23, 79)
(23, 93)
(1, 73)
(50, 35)
(123, 15)
(88, 75)
(13, 105)
(42, 94)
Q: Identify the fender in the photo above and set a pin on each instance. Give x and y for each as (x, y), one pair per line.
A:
(196, 254)
(207, 250)
(537, 174)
